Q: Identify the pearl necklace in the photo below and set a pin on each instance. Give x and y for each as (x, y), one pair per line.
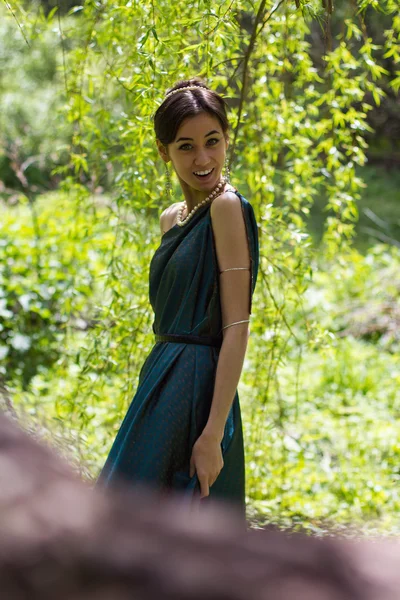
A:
(214, 193)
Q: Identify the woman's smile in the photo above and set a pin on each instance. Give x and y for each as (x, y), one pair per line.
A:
(204, 177)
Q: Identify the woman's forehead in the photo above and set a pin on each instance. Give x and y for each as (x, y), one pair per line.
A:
(199, 124)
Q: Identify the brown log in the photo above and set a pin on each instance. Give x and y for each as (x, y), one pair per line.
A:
(60, 539)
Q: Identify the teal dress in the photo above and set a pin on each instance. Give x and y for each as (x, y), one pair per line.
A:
(175, 389)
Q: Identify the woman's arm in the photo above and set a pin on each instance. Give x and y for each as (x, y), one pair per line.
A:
(232, 250)
(229, 368)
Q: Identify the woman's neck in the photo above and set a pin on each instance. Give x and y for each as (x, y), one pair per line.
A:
(194, 197)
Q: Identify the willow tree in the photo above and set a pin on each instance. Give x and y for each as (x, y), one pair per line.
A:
(298, 133)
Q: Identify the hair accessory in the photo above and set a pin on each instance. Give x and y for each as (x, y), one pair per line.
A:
(182, 89)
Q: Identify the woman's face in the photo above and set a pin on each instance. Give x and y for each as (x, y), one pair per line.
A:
(204, 149)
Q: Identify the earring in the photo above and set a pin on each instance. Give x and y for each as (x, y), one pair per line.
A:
(227, 174)
(168, 186)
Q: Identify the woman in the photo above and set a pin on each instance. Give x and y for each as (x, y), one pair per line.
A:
(183, 429)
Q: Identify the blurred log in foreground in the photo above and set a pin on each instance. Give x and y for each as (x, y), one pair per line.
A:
(60, 539)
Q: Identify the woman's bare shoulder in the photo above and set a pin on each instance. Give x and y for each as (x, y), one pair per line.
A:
(171, 210)
(169, 215)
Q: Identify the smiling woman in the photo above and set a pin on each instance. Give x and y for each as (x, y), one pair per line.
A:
(183, 429)
(199, 158)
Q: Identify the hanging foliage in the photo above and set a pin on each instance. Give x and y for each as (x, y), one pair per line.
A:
(299, 130)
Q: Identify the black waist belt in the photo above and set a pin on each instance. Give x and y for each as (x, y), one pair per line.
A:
(205, 340)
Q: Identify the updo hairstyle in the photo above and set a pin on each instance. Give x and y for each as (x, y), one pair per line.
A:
(170, 114)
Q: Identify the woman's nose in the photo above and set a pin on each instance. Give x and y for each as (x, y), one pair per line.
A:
(202, 159)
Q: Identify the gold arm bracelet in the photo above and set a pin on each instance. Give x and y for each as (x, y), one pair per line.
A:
(236, 323)
(235, 269)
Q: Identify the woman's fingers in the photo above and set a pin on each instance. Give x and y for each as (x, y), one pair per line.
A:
(203, 461)
(204, 485)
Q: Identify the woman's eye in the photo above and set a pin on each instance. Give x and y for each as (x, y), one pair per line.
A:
(210, 140)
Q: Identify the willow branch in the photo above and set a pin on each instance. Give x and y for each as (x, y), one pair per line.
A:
(16, 20)
(259, 19)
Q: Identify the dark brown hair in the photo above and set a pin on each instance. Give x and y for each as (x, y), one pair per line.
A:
(170, 114)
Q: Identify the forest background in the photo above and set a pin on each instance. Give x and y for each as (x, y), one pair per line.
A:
(313, 91)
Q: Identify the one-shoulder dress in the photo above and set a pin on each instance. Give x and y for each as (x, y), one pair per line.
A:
(176, 382)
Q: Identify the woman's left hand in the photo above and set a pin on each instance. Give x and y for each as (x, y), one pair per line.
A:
(206, 461)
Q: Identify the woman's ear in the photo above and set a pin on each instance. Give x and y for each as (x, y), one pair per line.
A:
(162, 151)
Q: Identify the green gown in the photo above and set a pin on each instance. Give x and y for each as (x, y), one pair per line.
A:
(173, 398)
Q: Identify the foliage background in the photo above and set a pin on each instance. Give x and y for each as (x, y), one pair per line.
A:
(82, 187)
